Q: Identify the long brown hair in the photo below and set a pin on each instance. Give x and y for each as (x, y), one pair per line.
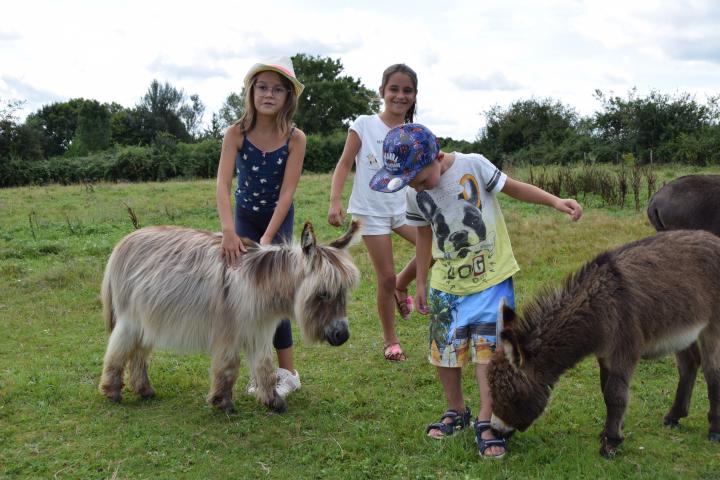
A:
(283, 119)
(401, 68)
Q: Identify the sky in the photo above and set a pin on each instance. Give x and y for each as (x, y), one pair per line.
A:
(470, 55)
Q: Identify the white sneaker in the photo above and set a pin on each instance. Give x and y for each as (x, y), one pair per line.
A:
(287, 382)
(251, 386)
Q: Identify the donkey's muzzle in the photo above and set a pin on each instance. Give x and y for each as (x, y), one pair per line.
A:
(501, 428)
(337, 332)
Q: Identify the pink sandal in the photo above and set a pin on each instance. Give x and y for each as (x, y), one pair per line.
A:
(404, 303)
(394, 353)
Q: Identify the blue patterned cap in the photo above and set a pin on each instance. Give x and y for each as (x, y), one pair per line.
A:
(407, 149)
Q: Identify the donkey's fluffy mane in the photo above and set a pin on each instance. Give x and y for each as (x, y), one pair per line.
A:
(260, 263)
(576, 292)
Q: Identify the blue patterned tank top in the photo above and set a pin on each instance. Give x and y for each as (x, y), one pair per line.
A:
(259, 176)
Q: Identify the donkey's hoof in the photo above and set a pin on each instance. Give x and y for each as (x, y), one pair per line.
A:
(671, 422)
(114, 395)
(609, 447)
(714, 437)
(608, 452)
(223, 404)
(278, 404)
(147, 393)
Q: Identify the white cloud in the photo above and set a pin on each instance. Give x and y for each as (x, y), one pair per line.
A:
(469, 55)
(175, 71)
(6, 36)
(493, 81)
(19, 89)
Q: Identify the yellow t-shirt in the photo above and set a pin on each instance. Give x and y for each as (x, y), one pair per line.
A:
(471, 245)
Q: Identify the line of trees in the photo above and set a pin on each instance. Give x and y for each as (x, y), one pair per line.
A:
(655, 128)
(163, 136)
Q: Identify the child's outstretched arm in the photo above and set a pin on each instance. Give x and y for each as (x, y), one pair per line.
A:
(343, 167)
(532, 194)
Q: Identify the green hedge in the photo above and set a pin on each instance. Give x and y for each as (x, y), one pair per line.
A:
(323, 151)
(167, 158)
(164, 160)
(15, 172)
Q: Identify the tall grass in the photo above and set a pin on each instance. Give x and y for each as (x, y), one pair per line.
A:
(356, 416)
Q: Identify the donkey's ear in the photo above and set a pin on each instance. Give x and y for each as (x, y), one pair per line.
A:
(307, 239)
(509, 343)
(510, 346)
(351, 237)
(509, 317)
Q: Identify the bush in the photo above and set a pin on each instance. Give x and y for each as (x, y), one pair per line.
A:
(576, 148)
(681, 149)
(90, 168)
(538, 154)
(134, 164)
(15, 171)
(198, 159)
(162, 161)
(163, 157)
(462, 146)
(710, 144)
(323, 151)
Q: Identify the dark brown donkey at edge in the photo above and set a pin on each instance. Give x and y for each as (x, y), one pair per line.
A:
(645, 299)
(690, 202)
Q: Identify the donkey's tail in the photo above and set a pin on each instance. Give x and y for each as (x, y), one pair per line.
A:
(653, 214)
(106, 295)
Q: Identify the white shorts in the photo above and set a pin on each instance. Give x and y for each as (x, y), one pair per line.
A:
(372, 225)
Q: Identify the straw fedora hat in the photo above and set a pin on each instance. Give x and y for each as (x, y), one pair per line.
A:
(281, 65)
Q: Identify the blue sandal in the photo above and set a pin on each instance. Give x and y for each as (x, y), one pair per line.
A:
(484, 444)
(457, 422)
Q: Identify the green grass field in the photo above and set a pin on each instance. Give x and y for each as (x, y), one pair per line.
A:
(356, 416)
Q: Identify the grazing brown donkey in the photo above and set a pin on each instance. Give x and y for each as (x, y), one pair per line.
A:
(642, 300)
(169, 287)
(691, 202)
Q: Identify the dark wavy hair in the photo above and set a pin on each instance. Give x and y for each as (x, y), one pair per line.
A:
(401, 68)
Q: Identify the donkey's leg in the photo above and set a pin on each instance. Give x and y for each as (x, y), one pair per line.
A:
(603, 380)
(123, 340)
(224, 371)
(264, 373)
(688, 362)
(139, 381)
(616, 394)
(710, 351)
(604, 372)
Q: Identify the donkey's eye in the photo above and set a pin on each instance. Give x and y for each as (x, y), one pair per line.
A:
(323, 296)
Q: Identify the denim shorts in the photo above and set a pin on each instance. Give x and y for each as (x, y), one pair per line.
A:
(253, 224)
(372, 225)
(464, 328)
